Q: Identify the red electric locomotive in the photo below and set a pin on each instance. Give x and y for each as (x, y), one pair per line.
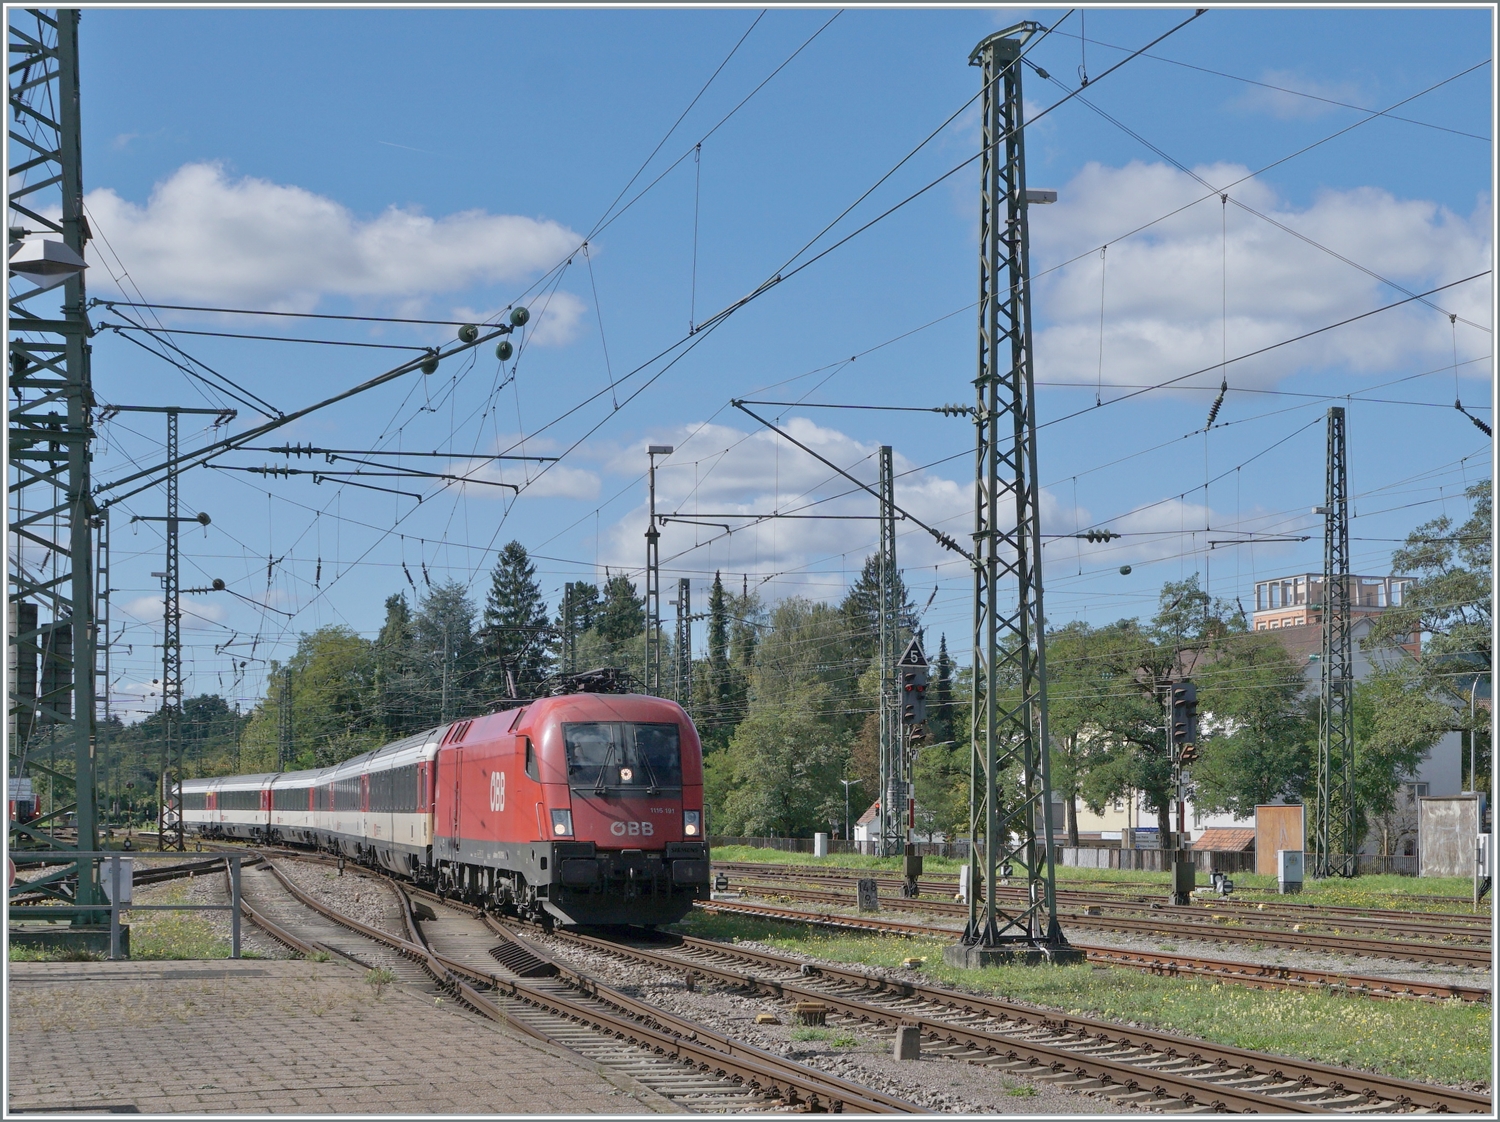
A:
(584, 808)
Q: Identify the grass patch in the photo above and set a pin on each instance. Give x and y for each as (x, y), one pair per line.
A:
(810, 1034)
(174, 935)
(1448, 1042)
(844, 1040)
(53, 954)
(836, 861)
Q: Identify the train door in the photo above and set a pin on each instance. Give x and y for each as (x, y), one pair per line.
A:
(364, 807)
(456, 755)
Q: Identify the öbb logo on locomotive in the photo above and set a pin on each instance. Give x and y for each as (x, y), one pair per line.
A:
(616, 835)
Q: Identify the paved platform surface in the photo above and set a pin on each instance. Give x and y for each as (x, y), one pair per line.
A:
(265, 1036)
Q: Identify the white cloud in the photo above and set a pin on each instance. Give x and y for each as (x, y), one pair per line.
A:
(1283, 105)
(563, 482)
(196, 612)
(1162, 288)
(205, 236)
(558, 481)
(719, 472)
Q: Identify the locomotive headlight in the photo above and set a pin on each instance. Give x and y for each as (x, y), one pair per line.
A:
(692, 823)
(626, 775)
(562, 823)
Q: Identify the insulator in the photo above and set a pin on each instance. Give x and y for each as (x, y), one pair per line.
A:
(1213, 410)
(468, 333)
(503, 350)
(519, 316)
(430, 364)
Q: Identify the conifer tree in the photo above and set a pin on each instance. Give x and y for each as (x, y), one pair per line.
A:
(514, 637)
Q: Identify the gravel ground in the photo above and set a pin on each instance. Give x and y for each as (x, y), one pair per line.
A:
(357, 895)
(1234, 952)
(935, 1083)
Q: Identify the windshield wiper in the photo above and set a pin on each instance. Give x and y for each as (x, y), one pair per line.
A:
(599, 788)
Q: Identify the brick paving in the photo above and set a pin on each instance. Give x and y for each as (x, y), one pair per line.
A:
(269, 1037)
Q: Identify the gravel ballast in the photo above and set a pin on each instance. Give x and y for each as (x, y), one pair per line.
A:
(859, 1053)
(355, 894)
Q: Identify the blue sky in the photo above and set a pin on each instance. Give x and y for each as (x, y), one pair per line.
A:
(438, 164)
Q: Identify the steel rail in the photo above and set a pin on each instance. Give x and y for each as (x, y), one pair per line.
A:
(1402, 950)
(707, 1047)
(274, 929)
(676, 1038)
(1339, 1081)
(1109, 1072)
(1252, 974)
(1439, 921)
(1472, 927)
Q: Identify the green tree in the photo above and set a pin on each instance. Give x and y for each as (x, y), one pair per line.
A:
(622, 616)
(1258, 727)
(712, 686)
(786, 757)
(513, 640)
(1448, 609)
(447, 652)
(1121, 674)
(575, 617)
(398, 671)
(940, 722)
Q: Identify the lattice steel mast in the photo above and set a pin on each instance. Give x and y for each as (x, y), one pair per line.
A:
(683, 653)
(1010, 788)
(1334, 840)
(892, 794)
(652, 670)
(51, 594)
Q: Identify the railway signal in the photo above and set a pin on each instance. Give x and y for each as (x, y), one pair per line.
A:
(1184, 726)
(914, 696)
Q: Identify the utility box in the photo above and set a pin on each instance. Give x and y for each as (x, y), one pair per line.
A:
(869, 897)
(1446, 828)
(1289, 864)
(820, 845)
(965, 872)
(1184, 877)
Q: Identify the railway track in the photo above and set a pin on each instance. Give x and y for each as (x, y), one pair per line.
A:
(1160, 924)
(1252, 974)
(1126, 1064)
(1389, 921)
(447, 951)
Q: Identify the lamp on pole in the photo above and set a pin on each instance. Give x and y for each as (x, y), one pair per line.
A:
(848, 828)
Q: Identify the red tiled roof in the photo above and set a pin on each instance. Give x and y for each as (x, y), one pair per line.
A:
(1226, 839)
(869, 815)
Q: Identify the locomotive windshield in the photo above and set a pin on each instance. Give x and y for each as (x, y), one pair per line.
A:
(617, 755)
